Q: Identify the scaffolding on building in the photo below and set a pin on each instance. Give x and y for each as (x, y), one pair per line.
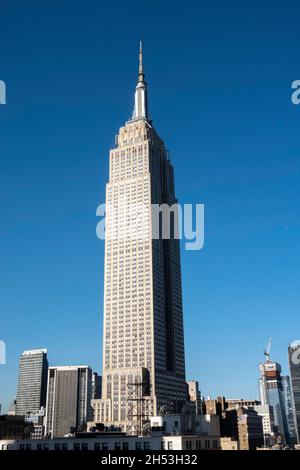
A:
(140, 407)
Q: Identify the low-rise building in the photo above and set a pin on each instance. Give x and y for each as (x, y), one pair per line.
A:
(266, 412)
(37, 421)
(228, 443)
(114, 441)
(250, 429)
(232, 403)
(186, 425)
(14, 427)
(190, 442)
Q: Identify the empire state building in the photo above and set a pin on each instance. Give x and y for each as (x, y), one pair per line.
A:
(143, 342)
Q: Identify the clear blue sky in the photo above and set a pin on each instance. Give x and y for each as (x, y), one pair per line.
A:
(219, 76)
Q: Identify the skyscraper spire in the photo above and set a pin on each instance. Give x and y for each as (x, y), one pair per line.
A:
(140, 98)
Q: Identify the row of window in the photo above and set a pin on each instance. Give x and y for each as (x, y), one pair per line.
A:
(83, 446)
(207, 444)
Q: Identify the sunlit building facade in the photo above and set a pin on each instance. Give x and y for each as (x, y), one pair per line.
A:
(143, 345)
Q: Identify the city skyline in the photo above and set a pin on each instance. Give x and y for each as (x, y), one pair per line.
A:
(245, 276)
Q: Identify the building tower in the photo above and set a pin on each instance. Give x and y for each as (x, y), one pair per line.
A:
(289, 409)
(195, 395)
(294, 366)
(271, 393)
(143, 345)
(69, 396)
(32, 383)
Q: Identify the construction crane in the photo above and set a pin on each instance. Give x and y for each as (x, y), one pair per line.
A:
(267, 350)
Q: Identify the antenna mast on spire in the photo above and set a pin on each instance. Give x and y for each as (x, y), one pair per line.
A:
(141, 98)
(141, 73)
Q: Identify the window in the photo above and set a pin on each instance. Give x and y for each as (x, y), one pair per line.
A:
(118, 446)
(28, 446)
(146, 445)
(64, 446)
(85, 446)
(138, 446)
(104, 446)
(97, 446)
(125, 446)
(57, 446)
(170, 445)
(22, 447)
(76, 446)
(188, 445)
